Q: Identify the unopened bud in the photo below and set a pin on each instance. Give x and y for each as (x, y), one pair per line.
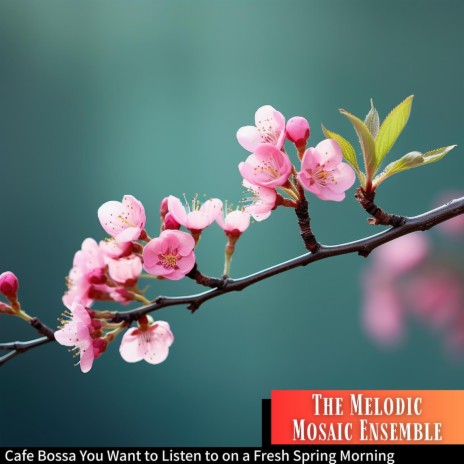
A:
(99, 347)
(9, 284)
(170, 223)
(164, 207)
(298, 131)
(97, 276)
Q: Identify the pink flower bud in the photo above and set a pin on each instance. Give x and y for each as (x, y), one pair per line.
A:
(298, 131)
(96, 324)
(97, 276)
(170, 223)
(99, 346)
(164, 207)
(8, 284)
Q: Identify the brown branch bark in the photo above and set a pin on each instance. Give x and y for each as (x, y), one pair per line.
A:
(379, 216)
(202, 279)
(304, 222)
(363, 247)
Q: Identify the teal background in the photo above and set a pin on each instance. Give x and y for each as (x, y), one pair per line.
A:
(103, 98)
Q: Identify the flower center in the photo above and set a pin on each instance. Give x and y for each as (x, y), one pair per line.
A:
(195, 204)
(253, 198)
(125, 220)
(269, 169)
(320, 176)
(169, 259)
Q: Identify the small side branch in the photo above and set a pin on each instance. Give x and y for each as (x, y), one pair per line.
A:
(42, 328)
(200, 278)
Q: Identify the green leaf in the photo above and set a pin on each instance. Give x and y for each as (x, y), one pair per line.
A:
(391, 129)
(436, 155)
(412, 160)
(347, 149)
(372, 121)
(367, 143)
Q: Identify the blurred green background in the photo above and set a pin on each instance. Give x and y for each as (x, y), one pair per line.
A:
(103, 98)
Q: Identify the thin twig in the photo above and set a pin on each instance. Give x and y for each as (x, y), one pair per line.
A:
(21, 347)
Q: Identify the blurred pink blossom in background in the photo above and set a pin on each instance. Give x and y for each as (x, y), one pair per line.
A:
(415, 278)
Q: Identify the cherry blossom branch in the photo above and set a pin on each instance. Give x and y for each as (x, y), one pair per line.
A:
(363, 247)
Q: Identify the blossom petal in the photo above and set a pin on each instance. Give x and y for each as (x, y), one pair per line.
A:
(237, 220)
(177, 209)
(157, 354)
(87, 357)
(267, 115)
(327, 194)
(186, 263)
(261, 216)
(249, 138)
(196, 220)
(344, 178)
(80, 314)
(212, 208)
(115, 216)
(127, 235)
(331, 153)
(129, 348)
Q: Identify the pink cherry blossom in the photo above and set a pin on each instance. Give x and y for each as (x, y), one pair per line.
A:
(383, 314)
(9, 284)
(78, 288)
(76, 332)
(125, 270)
(436, 296)
(267, 167)
(403, 254)
(262, 201)
(170, 255)
(298, 130)
(196, 216)
(149, 342)
(234, 223)
(90, 257)
(88, 269)
(124, 221)
(323, 172)
(270, 128)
